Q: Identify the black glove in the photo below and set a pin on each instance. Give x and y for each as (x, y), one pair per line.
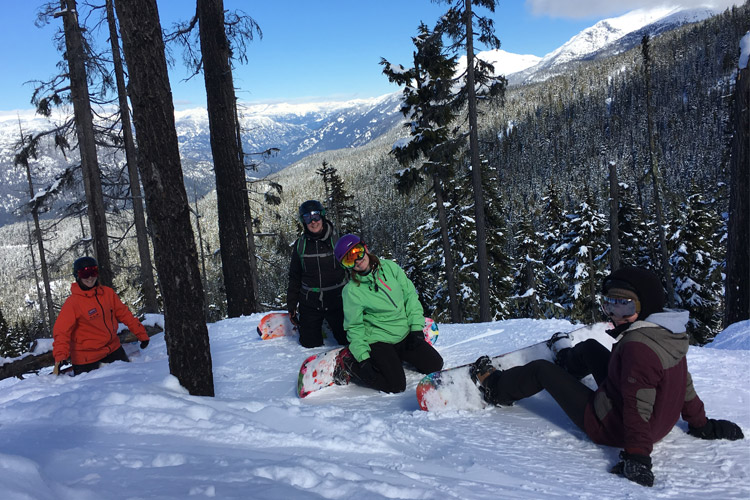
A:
(144, 344)
(717, 429)
(413, 339)
(293, 316)
(367, 371)
(637, 468)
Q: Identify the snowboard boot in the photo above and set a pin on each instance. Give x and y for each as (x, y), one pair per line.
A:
(342, 372)
(559, 341)
(483, 368)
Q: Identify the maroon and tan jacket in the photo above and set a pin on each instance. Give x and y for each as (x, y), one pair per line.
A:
(86, 328)
(647, 388)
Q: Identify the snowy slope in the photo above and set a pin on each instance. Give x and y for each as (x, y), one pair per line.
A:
(130, 431)
(609, 37)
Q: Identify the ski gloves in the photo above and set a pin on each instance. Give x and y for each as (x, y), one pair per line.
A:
(413, 339)
(366, 372)
(717, 429)
(637, 468)
(144, 344)
(293, 316)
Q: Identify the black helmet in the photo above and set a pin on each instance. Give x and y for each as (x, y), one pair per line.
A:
(311, 206)
(82, 262)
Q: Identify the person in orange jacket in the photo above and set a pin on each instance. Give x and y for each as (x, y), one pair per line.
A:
(86, 328)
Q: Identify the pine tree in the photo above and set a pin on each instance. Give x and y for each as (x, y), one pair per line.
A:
(555, 223)
(430, 152)
(586, 261)
(175, 254)
(528, 286)
(338, 202)
(696, 273)
(424, 269)
(458, 24)
(500, 262)
(634, 232)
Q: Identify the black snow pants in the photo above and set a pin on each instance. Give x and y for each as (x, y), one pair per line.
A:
(116, 355)
(563, 384)
(387, 360)
(311, 325)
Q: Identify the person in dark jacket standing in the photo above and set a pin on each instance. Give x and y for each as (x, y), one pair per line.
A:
(86, 328)
(315, 279)
(647, 386)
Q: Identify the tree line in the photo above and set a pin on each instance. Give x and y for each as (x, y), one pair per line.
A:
(524, 182)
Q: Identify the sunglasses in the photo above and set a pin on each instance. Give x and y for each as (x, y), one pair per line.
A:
(355, 253)
(616, 307)
(312, 216)
(88, 272)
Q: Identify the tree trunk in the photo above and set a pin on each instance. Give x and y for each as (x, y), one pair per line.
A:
(79, 92)
(476, 173)
(656, 177)
(737, 307)
(231, 191)
(447, 251)
(614, 219)
(166, 201)
(148, 287)
(45, 303)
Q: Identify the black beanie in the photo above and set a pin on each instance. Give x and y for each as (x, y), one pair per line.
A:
(646, 284)
(82, 262)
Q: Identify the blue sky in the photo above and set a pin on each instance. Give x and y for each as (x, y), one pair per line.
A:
(311, 50)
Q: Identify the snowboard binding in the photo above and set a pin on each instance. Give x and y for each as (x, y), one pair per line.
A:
(484, 368)
(342, 372)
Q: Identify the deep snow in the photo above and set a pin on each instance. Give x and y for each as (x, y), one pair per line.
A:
(129, 431)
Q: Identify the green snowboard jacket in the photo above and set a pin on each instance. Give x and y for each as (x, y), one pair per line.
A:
(384, 307)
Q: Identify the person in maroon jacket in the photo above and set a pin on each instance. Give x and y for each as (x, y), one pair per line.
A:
(643, 386)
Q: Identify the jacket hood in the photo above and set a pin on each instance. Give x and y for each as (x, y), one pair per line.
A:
(674, 320)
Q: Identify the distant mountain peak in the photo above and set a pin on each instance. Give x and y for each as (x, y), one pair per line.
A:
(607, 33)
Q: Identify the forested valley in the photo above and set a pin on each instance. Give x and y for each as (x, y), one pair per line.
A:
(548, 151)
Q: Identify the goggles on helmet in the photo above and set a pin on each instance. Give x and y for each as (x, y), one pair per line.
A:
(88, 272)
(617, 307)
(311, 216)
(355, 253)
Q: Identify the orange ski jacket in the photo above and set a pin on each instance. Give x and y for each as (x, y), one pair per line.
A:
(86, 328)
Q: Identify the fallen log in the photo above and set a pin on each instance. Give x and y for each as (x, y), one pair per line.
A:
(36, 362)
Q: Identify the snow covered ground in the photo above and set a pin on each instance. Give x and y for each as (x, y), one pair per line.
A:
(129, 431)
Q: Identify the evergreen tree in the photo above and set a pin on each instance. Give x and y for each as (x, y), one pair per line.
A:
(586, 261)
(458, 24)
(634, 232)
(339, 204)
(175, 254)
(555, 223)
(696, 273)
(528, 286)
(431, 108)
(500, 262)
(424, 269)
(217, 52)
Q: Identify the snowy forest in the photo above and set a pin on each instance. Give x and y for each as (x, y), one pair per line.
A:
(653, 130)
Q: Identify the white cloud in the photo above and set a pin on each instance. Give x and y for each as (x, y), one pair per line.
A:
(593, 8)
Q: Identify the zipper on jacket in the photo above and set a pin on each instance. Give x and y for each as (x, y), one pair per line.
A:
(104, 315)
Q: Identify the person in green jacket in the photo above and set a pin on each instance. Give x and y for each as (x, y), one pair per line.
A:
(383, 319)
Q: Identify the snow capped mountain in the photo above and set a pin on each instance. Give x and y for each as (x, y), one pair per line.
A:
(301, 129)
(609, 37)
(297, 130)
(505, 63)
